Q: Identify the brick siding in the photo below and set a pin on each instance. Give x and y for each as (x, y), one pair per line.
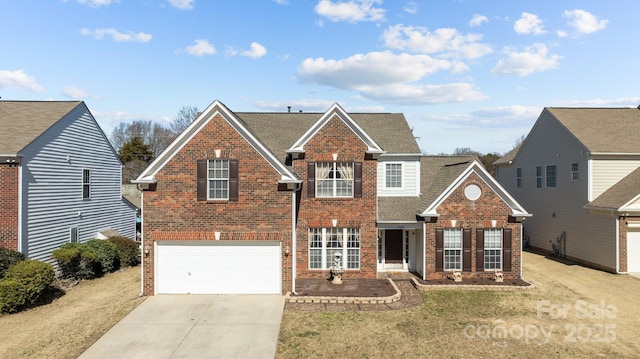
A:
(9, 206)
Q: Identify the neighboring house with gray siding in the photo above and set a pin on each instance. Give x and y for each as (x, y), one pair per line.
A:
(578, 172)
(59, 178)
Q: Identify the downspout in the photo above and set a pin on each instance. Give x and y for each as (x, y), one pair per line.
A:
(141, 244)
(294, 237)
(424, 251)
(618, 245)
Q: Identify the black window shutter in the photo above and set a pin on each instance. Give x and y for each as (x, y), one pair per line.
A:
(479, 250)
(233, 180)
(311, 179)
(357, 180)
(506, 249)
(439, 250)
(466, 250)
(202, 180)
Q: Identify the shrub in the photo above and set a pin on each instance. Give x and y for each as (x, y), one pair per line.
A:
(12, 295)
(35, 276)
(8, 257)
(106, 253)
(128, 251)
(77, 260)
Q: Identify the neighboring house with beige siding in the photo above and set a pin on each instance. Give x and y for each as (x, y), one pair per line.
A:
(59, 178)
(578, 172)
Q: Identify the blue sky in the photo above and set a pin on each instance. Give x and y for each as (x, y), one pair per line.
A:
(466, 73)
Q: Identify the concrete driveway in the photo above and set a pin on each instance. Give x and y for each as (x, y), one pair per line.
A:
(195, 326)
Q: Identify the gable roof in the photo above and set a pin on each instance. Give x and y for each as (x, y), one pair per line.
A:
(24, 121)
(336, 110)
(453, 176)
(602, 130)
(623, 196)
(215, 108)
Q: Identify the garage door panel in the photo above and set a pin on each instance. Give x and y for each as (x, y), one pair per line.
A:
(218, 268)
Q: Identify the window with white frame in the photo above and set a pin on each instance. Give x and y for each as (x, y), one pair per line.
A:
(551, 175)
(86, 184)
(538, 176)
(452, 249)
(518, 177)
(493, 249)
(393, 175)
(334, 179)
(574, 171)
(218, 179)
(324, 243)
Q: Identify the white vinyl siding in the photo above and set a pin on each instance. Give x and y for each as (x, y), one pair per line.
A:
(52, 182)
(607, 171)
(410, 177)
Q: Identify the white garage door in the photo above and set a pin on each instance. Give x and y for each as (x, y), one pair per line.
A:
(220, 267)
(633, 250)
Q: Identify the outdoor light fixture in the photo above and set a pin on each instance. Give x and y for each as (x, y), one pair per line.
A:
(286, 250)
(146, 250)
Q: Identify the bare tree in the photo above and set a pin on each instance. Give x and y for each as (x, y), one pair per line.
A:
(184, 117)
(151, 133)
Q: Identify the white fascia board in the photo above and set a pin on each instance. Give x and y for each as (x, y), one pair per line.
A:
(215, 108)
(335, 109)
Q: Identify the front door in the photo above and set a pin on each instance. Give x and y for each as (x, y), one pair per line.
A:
(393, 246)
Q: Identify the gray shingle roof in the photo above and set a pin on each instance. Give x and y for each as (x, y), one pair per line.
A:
(620, 193)
(280, 130)
(613, 130)
(23, 121)
(437, 173)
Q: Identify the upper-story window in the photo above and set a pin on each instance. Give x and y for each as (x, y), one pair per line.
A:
(393, 175)
(334, 179)
(86, 184)
(574, 171)
(538, 176)
(217, 180)
(519, 177)
(551, 175)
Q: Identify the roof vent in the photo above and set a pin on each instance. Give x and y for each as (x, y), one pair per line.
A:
(288, 108)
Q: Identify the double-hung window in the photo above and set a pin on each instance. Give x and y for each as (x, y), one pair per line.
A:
(452, 249)
(86, 184)
(493, 249)
(324, 243)
(519, 177)
(574, 171)
(538, 176)
(334, 179)
(218, 179)
(551, 175)
(393, 175)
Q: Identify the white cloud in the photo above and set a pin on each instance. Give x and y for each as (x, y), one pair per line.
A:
(388, 77)
(116, 35)
(502, 116)
(616, 102)
(18, 79)
(182, 4)
(257, 51)
(96, 3)
(202, 47)
(562, 33)
(478, 20)
(584, 22)
(350, 11)
(74, 92)
(281, 2)
(528, 24)
(371, 69)
(411, 7)
(447, 42)
(532, 59)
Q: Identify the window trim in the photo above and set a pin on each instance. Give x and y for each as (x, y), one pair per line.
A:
(499, 249)
(86, 174)
(335, 180)
(401, 174)
(575, 173)
(446, 249)
(218, 179)
(546, 176)
(539, 177)
(351, 255)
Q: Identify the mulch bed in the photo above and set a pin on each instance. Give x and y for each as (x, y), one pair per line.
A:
(475, 281)
(348, 288)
